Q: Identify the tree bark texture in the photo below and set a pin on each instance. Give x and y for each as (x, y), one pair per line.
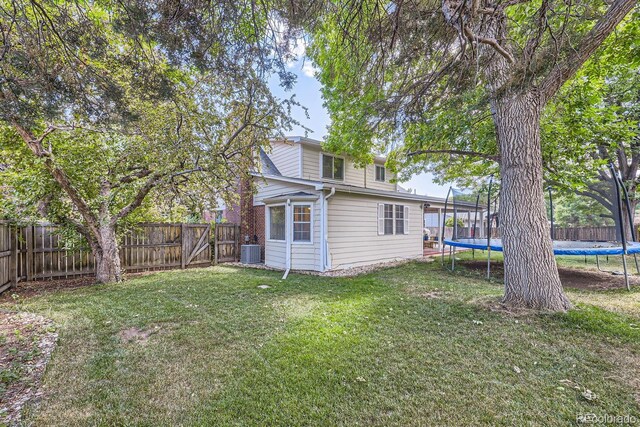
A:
(107, 256)
(531, 277)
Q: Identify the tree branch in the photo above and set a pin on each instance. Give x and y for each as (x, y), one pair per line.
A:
(565, 69)
(490, 42)
(59, 175)
(492, 157)
(139, 197)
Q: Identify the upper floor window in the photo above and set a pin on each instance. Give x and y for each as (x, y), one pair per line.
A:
(380, 173)
(332, 167)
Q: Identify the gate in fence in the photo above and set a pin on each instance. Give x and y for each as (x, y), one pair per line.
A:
(7, 256)
(226, 243)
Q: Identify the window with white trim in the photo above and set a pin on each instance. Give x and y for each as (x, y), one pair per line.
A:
(399, 216)
(380, 173)
(332, 167)
(277, 222)
(393, 219)
(302, 223)
(388, 219)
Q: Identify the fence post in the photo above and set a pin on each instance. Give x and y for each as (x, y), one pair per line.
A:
(236, 237)
(215, 243)
(183, 240)
(29, 257)
(13, 259)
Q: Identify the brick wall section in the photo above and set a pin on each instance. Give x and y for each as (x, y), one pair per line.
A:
(259, 231)
(246, 212)
(251, 217)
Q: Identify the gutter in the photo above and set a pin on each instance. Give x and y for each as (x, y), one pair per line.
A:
(324, 230)
(288, 227)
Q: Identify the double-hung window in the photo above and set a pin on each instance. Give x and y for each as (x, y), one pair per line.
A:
(399, 216)
(393, 219)
(388, 219)
(332, 167)
(302, 223)
(380, 173)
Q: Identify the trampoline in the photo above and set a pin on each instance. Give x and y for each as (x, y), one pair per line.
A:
(560, 247)
(483, 232)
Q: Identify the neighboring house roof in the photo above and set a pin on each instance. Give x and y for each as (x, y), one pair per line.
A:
(268, 167)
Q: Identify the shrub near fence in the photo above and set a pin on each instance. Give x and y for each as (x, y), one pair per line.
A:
(37, 251)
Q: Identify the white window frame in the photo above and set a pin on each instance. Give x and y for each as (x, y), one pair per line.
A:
(268, 223)
(384, 173)
(344, 167)
(293, 204)
(381, 219)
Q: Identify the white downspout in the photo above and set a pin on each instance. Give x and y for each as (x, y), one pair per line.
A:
(326, 264)
(287, 234)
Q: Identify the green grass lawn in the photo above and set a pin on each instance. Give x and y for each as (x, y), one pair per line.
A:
(413, 345)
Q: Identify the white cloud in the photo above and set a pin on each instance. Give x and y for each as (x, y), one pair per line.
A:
(308, 69)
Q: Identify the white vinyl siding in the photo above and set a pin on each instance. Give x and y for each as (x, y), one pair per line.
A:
(311, 161)
(379, 185)
(354, 226)
(266, 188)
(304, 255)
(286, 157)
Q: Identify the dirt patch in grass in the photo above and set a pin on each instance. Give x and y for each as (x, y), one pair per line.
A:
(495, 305)
(570, 277)
(41, 287)
(138, 335)
(26, 343)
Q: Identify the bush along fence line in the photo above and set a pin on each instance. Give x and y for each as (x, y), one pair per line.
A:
(38, 252)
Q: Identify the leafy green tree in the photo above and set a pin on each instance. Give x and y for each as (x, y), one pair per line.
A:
(395, 71)
(105, 103)
(595, 122)
(570, 210)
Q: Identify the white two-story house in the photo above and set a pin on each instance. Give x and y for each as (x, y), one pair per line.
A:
(313, 210)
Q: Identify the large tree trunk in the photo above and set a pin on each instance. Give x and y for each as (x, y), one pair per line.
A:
(107, 256)
(531, 277)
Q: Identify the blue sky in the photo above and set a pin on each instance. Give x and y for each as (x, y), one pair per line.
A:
(307, 92)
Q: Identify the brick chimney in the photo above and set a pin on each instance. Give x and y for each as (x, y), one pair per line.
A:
(251, 217)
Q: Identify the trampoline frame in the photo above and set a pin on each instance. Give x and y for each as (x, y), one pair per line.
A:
(625, 248)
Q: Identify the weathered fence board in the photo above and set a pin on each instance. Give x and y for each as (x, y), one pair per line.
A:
(7, 262)
(38, 251)
(604, 234)
(227, 243)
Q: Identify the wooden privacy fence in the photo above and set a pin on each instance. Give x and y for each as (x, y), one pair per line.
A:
(226, 243)
(38, 251)
(7, 257)
(586, 233)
